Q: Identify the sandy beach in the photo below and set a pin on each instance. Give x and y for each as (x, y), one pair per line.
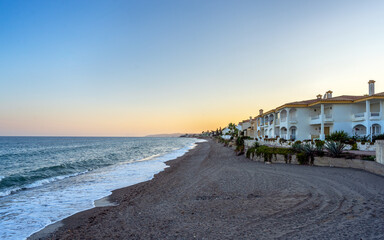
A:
(210, 193)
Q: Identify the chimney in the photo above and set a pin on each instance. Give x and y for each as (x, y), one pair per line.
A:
(318, 96)
(329, 94)
(261, 112)
(371, 85)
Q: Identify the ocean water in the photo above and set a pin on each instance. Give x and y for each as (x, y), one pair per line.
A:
(46, 179)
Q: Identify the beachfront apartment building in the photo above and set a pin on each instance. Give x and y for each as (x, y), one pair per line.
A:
(318, 117)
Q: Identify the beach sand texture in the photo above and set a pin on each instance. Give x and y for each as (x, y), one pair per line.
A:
(210, 193)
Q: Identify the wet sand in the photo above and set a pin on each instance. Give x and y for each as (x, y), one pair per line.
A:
(209, 193)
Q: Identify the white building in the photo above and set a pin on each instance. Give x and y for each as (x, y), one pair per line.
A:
(318, 117)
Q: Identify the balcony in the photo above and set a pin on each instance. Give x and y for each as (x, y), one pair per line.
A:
(317, 120)
(292, 120)
(328, 118)
(375, 116)
(277, 122)
(358, 117)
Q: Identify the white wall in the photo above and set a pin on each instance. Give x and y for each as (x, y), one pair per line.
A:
(303, 131)
(342, 117)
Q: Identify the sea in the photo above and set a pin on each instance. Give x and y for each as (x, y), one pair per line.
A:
(46, 179)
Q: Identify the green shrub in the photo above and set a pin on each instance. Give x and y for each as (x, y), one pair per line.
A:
(239, 150)
(297, 147)
(302, 158)
(378, 137)
(265, 152)
(319, 144)
(268, 152)
(362, 139)
(335, 149)
(250, 152)
(240, 145)
(286, 152)
(350, 141)
(338, 136)
(240, 141)
(319, 147)
(368, 158)
(309, 152)
(354, 147)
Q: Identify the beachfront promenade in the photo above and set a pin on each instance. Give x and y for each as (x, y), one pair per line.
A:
(210, 193)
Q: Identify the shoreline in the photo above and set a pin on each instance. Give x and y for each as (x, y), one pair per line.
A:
(211, 193)
(104, 202)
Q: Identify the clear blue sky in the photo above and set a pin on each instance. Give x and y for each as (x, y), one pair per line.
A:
(140, 67)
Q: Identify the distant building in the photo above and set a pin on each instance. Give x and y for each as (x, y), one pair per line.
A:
(318, 117)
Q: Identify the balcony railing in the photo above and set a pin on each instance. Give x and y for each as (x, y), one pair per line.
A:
(359, 115)
(315, 117)
(293, 120)
(283, 119)
(375, 114)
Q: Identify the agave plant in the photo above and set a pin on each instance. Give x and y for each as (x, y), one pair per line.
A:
(309, 150)
(297, 147)
(335, 148)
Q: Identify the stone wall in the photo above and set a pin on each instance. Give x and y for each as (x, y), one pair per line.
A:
(369, 166)
(362, 147)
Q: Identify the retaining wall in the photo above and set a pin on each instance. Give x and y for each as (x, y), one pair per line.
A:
(369, 166)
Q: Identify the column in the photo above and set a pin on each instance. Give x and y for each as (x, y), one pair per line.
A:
(287, 109)
(367, 118)
(273, 125)
(322, 135)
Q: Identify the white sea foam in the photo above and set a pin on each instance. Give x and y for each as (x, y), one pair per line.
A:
(52, 179)
(51, 200)
(39, 183)
(9, 191)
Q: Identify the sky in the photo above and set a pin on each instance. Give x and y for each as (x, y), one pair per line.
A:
(133, 68)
